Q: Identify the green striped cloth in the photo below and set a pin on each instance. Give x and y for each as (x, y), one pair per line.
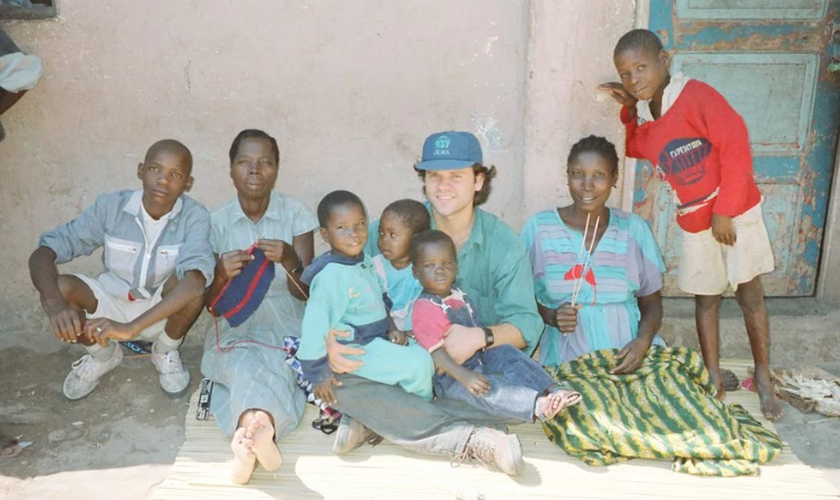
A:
(666, 409)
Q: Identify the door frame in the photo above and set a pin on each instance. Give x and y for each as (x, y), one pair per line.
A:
(828, 272)
(828, 269)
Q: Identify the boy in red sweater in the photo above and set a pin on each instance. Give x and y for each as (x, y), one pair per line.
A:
(701, 147)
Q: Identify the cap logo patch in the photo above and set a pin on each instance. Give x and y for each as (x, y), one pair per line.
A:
(442, 145)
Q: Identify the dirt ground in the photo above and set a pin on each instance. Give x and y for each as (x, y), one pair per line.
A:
(121, 440)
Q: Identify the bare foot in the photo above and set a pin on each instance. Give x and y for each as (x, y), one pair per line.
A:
(9, 447)
(11, 450)
(244, 460)
(717, 381)
(552, 404)
(261, 432)
(729, 380)
(770, 406)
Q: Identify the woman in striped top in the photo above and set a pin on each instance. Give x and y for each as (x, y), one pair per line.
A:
(597, 270)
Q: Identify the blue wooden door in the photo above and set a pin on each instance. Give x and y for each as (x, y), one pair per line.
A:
(772, 60)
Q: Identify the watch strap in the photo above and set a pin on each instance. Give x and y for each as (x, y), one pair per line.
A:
(489, 338)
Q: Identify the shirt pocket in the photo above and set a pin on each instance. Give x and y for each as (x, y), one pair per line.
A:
(167, 256)
(121, 257)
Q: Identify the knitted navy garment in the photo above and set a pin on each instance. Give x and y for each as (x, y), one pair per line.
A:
(243, 294)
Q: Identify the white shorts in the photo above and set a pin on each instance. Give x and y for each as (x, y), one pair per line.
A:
(124, 310)
(708, 267)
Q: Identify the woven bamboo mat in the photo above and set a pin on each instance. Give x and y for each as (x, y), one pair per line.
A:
(311, 470)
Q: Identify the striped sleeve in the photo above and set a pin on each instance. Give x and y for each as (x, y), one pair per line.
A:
(649, 258)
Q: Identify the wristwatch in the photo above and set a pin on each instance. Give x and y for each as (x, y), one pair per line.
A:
(489, 339)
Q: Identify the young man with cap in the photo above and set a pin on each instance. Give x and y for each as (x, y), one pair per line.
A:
(493, 267)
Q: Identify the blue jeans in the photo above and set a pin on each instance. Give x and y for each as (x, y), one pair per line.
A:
(515, 383)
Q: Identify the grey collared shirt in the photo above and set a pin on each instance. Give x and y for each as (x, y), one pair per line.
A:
(132, 266)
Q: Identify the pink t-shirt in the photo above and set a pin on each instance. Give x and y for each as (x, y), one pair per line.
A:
(432, 316)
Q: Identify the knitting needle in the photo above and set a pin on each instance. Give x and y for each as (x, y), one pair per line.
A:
(580, 254)
(586, 263)
(286, 271)
(579, 282)
(583, 242)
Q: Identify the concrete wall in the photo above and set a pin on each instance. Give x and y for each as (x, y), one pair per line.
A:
(349, 89)
(570, 55)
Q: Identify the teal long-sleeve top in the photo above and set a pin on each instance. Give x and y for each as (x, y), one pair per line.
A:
(343, 295)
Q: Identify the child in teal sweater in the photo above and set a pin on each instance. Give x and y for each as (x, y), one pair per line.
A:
(345, 295)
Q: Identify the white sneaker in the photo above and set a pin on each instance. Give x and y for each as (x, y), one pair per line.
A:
(84, 377)
(174, 378)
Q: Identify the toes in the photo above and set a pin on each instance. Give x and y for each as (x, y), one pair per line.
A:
(10, 451)
(773, 416)
(241, 445)
(260, 421)
(262, 418)
(774, 413)
(729, 380)
(558, 401)
(253, 427)
(573, 399)
(239, 435)
(266, 450)
(570, 398)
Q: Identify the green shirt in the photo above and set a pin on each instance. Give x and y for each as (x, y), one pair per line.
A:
(495, 271)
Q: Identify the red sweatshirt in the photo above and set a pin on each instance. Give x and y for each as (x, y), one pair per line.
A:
(700, 145)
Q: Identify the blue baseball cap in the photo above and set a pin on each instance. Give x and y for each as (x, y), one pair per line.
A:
(450, 150)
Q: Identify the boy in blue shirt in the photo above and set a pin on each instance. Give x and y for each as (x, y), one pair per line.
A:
(345, 295)
(400, 221)
(157, 260)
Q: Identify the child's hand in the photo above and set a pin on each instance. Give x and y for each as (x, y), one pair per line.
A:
(723, 229)
(566, 317)
(617, 92)
(476, 383)
(397, 337)
(324, 391)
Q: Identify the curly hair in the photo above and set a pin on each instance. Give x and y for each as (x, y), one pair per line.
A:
(253, 133)
(594, 144)
(482, 194)
(638, 39)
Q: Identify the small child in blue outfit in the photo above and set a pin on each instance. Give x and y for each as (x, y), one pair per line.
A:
(345, 294)
(500, 381)
(400, 221)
